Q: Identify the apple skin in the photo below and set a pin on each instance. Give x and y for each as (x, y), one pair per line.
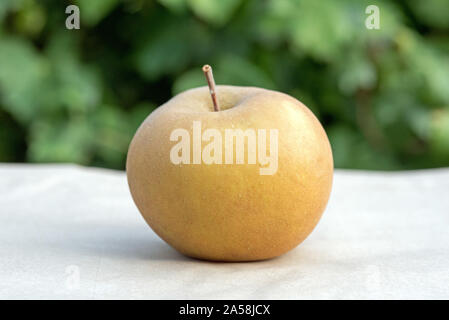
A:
(231, 212)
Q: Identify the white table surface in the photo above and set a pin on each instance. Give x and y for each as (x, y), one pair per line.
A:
(69, 232)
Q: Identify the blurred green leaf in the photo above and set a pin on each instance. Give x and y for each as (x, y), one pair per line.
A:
(431, 12)
(76, 86)
(357, 73)
(12, 141)
(93, 12)
(234, 70)
(216, 12)
(313, 28)
(176, 6)
(350, 150)
(59, 141)
(7, 5)
(22, 73)
(440, 135)
(164, 54)
(111, 135)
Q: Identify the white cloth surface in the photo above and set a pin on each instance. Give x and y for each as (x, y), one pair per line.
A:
(69, 232)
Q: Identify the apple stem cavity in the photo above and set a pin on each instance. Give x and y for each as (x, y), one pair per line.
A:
(207, 69)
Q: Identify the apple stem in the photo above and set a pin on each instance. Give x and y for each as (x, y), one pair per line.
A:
(207, 69)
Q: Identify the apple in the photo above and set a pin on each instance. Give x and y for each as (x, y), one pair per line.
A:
(243, 176)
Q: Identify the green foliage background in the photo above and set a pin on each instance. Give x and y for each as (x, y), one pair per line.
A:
(79, 95)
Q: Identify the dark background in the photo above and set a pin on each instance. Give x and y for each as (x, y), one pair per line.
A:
(79, 95)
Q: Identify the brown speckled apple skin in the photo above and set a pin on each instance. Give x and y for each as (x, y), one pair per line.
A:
(231, 212)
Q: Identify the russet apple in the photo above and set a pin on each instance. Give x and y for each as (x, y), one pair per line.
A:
(248, 180)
